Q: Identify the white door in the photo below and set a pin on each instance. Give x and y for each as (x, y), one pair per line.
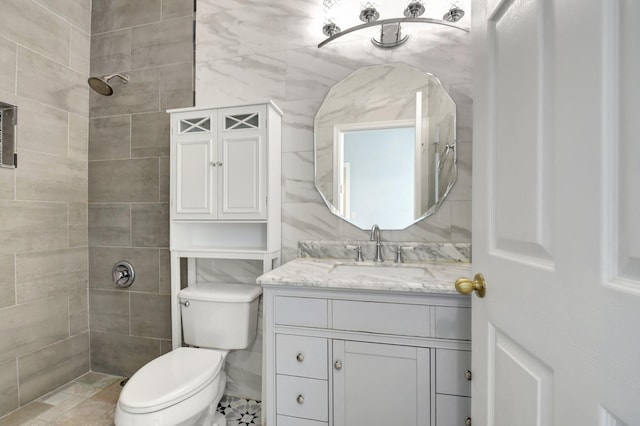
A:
(380, 385)
(556, 212)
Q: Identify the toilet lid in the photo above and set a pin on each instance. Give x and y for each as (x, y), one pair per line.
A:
(171, 378)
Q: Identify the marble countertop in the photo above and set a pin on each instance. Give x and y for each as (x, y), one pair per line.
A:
(423, 277)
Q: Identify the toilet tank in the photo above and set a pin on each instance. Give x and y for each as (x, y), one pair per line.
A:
(219, 315)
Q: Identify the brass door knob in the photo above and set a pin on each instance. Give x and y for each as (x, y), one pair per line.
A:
(466, 286)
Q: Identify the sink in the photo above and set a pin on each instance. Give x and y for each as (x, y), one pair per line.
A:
(386, 270)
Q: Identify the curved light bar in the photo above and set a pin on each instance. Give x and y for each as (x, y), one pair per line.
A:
(391, 21)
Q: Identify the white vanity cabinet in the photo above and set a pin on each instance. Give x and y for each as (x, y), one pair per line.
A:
(351, 358)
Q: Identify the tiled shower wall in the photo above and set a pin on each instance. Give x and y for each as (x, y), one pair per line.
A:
(44, 61)
(260, 50)
(151, 41)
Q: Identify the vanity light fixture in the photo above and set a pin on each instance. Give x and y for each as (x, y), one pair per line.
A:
(390, 29)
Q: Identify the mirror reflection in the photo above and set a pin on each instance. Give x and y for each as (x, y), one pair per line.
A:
(385, 146)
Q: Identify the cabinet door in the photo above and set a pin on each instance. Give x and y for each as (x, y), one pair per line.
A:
(242, 186)
(195, 178)
(380, 385)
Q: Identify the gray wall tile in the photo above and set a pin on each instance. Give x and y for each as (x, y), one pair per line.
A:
(111, 52)
(78, 12)
(27, 226)
(108, 15)
(162, 43)
(53, 366)
(79, 51)
(7, 281)
(109, 225)
(150, 134)
(8, 52)
(151, 315)
(119, 354)
(140, 94)
(78, 230)
(78, 311)
(150, 225)
(177, 8)
(164, 179)
(165, 271)
(43, 129)
(46, 177)
(7, 184)
(110, 137)
(144, 260)
(50, 273)
(8, 387)
(50, 83)
(31, 326)
(78, 136)
(176, 86)
(109, 311)
(123, 181)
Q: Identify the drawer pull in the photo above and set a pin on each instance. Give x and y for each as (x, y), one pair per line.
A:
(300, 399)
(300, 357)
(467, 421)
(467, 375)
(338, 365)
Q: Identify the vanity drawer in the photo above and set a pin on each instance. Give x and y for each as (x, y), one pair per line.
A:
(301, 356)
(302, 311)
(452, 410)
(295, 421)
(376, 317)
(453, 323)
(451, 368)
(302, 397)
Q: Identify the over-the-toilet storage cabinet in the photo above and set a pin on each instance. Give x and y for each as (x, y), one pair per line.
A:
(224, 188)
(352, 358)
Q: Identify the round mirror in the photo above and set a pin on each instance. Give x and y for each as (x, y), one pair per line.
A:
(385, 146)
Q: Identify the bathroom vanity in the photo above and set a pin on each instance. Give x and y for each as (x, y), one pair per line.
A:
(363, 343)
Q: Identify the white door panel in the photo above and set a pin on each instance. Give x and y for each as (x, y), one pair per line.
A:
(556, 211)
(194, 173)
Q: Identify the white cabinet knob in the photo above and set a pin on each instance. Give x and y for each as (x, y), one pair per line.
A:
(300, 399)
(300, 357)
(338, 365)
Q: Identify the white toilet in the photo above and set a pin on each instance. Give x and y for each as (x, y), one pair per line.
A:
(184, 386)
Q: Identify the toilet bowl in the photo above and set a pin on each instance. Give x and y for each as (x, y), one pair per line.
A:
(184, 386)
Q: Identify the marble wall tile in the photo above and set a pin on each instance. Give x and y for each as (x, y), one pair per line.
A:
(437, 228)
(31, 226)
(151, 315)
(215, 6)
(7, 281)
(177, 8)
(110, 225)
(43, 80)
(43, 129)
(298, 178)
(297, 124)
(144, 260)
(176, 86)
(228, 271)
(120, 354)
(78, 137)
(150, 224)
(79, 51)
(461, 95)
(150, 134)
(8, 387)
(78, 311)
(78, 12)
(461, 191)
(111, 52)
(217, 36)
(110, 137)
(36, 28)
(109, 15)
(42, 275)
(250, 78)
(162, 43)
(31, 326)
(78, 224)
(8, 53)
(53, 366)
(461, 221)
(109, 310)
(46, 177)
(140, 94)
(123, 181)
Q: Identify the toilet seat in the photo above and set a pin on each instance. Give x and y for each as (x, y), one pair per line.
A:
(170, 379)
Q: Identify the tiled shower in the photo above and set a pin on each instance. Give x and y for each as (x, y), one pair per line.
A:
(92, 184)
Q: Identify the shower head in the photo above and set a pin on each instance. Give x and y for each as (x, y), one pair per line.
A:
(101, 84)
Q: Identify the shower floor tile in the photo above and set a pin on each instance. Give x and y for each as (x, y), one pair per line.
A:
(90, 400)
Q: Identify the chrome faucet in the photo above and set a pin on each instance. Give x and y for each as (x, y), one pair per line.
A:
(375, 236)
